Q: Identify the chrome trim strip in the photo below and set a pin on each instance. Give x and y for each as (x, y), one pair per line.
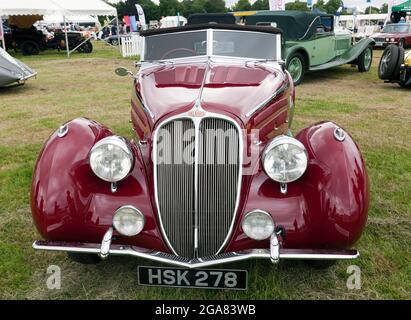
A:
(263, 104)
(303, 254)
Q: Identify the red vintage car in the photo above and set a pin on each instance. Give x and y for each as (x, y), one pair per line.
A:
(399, 34)
(214, 174)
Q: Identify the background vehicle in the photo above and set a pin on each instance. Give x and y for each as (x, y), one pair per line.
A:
(311, 43)
(13, 71)
(31, 41)
(395, 66)
(399, 34)
(214, 174)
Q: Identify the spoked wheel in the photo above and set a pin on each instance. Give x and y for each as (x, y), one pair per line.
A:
(389, 66)
(86, 48)
(296, 66)
(365, 60)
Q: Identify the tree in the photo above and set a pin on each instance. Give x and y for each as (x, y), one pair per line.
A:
(332, 6)
(320, 5)
(170, 7)
(214, 6)
(373, 10)
(260, 5)
(200, 6)
(241, 5)
(384, 8)
(297, 5)
(128, 8)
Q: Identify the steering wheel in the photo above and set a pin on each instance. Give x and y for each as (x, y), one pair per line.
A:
(176, 50)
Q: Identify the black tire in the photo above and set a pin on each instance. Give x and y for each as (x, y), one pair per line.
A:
(296, 58)
(320, 264)
(29, 48)
(365, 60)
(86, 47)
(388, 62)
(84, 258)
(401, 54)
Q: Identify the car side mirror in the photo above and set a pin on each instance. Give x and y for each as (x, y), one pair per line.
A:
(123, 72)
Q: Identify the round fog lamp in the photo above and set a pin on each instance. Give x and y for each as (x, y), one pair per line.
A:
(128, 221)
(258, 225)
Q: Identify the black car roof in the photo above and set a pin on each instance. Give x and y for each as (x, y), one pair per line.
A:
(151, 32)
(293, 23)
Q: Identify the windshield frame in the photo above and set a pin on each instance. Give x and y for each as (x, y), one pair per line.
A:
(209, 50)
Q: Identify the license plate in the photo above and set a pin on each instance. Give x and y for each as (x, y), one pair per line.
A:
(193, 278)
(380, 44)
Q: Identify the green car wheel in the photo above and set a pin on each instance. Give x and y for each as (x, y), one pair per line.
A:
(296, 66)
(365, 60)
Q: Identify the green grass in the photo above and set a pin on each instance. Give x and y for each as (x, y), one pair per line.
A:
(378, 116)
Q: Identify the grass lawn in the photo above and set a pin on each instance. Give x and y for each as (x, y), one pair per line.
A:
(378, 116)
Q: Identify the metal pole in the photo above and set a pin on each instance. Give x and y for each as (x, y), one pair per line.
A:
(3, 39)
(67, 43)
(118, 33)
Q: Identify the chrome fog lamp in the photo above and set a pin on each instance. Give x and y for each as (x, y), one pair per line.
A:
(111, 159)
(128, 221)
(258, 225)
(285, 159)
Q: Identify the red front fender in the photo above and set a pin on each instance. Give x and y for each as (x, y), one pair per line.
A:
(326, 208)
(70, 203)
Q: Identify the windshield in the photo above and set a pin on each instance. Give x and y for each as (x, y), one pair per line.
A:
(245, 44)
(394, 28)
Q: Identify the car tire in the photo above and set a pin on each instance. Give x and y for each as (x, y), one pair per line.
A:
(401, 44)
(84, 258)
(86, 47)
(389, 62)
(296, 66)
(401, 55)
(30, 48)
(365, 60)
(320, 264)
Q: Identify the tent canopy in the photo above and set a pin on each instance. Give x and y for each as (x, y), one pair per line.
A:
(403, 7)
(56, 7)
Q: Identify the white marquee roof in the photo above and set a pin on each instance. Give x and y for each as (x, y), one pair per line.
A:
(56, 7)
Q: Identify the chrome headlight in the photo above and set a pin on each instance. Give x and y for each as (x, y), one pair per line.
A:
(129, 221)
(285, 159)
(111, 159)
(258, 225)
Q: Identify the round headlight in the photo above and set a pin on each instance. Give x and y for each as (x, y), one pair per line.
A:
(258, 225)
(129, 221)
(111, 159)
(285, 159)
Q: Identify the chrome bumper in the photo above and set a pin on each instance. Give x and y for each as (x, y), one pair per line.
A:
(275, 253)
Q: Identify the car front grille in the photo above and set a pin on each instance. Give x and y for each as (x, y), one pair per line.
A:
(197, 176)
(379, 39)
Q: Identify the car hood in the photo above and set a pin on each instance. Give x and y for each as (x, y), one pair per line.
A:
(233, 88)
(387, 35)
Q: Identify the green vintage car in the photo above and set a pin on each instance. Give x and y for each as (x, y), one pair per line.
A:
(311, 43)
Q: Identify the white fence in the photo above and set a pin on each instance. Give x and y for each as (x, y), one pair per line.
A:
(131, 45)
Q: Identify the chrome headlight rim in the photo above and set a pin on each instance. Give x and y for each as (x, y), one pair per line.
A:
(119, 142)
(277, 141)
(253, 212)
(136, 211)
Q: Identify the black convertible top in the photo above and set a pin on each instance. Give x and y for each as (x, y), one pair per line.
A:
(199, 18)
(236, 27)
(294, 24)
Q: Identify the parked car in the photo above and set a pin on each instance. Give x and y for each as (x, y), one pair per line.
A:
(398, 34)
(214, 173)
(31, 41)
(13, 71)
(395, 66)
(311, 44)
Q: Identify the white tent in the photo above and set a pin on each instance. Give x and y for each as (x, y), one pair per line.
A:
(55, 7)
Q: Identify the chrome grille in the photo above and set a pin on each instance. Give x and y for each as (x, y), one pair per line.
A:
(175, 186)
(217, 183)
(197, 201)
